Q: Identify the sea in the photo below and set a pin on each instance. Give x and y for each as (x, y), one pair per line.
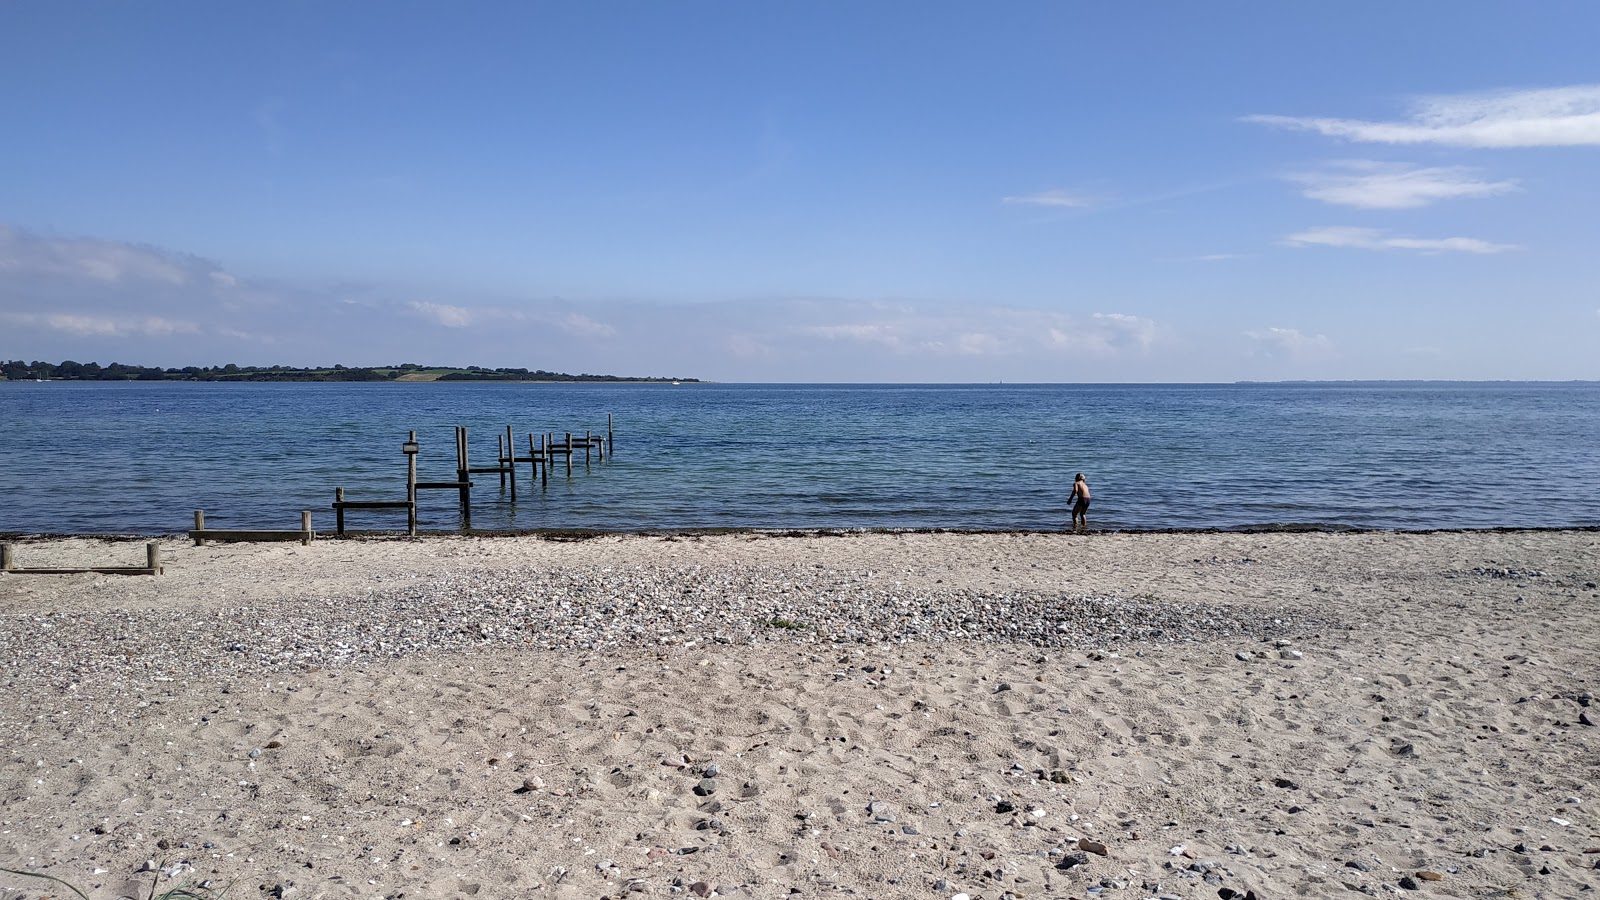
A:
(140, 457)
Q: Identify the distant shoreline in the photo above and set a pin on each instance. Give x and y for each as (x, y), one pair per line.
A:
(69, 370)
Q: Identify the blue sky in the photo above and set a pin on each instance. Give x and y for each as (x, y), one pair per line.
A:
(819, 191)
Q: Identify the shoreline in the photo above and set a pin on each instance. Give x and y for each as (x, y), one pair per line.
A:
(894, 714)
(579, 534)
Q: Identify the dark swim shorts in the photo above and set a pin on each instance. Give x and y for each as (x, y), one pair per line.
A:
(1083, 506)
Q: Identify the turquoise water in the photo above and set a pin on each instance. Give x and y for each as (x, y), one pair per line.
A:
(139, 457)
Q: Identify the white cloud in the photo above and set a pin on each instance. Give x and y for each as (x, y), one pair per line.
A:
(1374, 239)
(106, 262)
(583, 326)
(859, 333)
(978, 343)
(82, 325)
(1057, 198)
(1378, 185)
(1549, 117)
(992, 331)
(1140, 331)
(1102, 334)
(1216, 257)
(1291, 344)
(442, 313)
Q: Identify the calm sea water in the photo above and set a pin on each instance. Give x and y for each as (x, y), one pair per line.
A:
(140, 457)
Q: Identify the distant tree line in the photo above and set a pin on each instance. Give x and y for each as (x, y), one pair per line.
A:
(69, 370)
(478, 373)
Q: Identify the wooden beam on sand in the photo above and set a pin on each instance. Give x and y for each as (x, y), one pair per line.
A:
(152, 566)
(201, 533)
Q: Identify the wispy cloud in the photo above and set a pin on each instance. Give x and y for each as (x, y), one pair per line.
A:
(935, 332)
(1053, 198)
(874, 333)
(1374, 239)
(443, 313)
(1549, 117)
(1379, 185)
(1290, 343)
(108, 262)
(581, 325)
(79, 325)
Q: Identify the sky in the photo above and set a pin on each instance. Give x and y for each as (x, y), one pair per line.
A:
(810, 191)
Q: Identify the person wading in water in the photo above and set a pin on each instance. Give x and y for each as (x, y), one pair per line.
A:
(1080, 503)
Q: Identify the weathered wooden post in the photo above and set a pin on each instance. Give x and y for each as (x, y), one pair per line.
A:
(461, 462)
(569, 454)
(7, 560)
(305, 526)
(544, 454)
(611, 439)
(464, 474)
(509, 463)
(152, 557)
(409, 448)
(338, 510)
(199, 526)
(588, 440)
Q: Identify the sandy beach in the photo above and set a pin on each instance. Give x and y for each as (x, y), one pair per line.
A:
(921, 715)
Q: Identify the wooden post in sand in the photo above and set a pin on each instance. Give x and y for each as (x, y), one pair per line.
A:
(7, 560)
(152, 555)
(338, 511)
(305, 527)
(199, 525)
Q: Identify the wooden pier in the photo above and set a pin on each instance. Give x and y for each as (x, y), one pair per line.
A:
(542, 453)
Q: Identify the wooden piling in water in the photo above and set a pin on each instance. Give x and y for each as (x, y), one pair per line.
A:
(611, 438)
(510, 465)
(536, 456)
(464, 471)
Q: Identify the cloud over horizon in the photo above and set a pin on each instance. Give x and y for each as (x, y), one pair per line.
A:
(1547, 117)
(92, 299)
(1289, 343)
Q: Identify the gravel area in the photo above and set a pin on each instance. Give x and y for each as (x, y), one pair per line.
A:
(593, 609)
